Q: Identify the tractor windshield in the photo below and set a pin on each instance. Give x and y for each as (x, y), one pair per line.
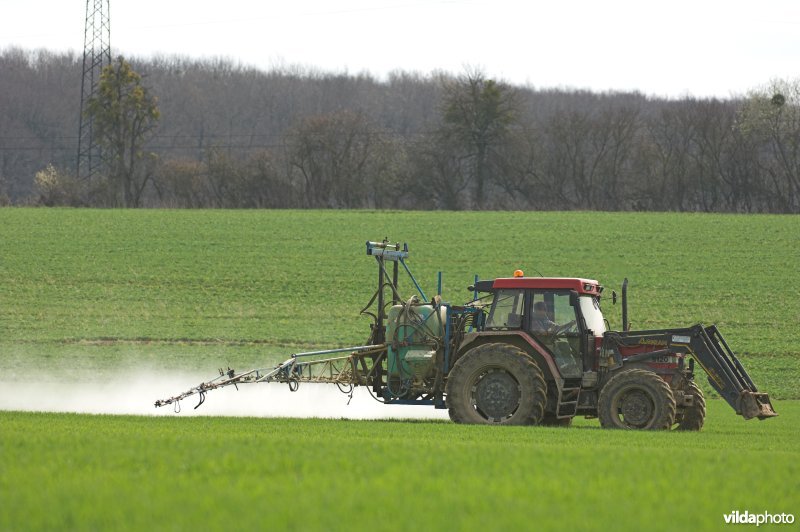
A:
(506, 311)
(590, 308)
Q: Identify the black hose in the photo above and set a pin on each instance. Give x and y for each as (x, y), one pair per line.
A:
(202, 400)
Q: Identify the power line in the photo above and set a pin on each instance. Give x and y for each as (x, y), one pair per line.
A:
(96, 55)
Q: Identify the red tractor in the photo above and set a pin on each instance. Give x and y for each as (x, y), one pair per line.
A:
(524, 351)
(541, 353)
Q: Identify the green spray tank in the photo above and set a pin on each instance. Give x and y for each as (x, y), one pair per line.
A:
(414, 335)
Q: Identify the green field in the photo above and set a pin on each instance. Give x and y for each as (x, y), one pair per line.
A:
(92, 295)
(108, 473)
(101, 290)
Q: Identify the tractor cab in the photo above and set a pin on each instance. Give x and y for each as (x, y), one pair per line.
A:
(562, 314)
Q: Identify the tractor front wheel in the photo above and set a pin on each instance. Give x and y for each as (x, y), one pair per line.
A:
(693, 417)
(496, 384)
(636, 399)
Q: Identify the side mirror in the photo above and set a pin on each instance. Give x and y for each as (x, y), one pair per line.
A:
(573, 298)
(613, 297)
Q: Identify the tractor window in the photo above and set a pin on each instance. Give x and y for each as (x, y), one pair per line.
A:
(590, 307)
(506, 311)
(553, 322)
(552, 312)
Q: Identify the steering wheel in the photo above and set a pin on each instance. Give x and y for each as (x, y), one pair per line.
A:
(567, 327)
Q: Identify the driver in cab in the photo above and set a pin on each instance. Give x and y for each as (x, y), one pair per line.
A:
(540, 321)
(548, 332)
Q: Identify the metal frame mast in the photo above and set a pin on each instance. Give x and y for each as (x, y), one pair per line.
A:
(96, 55)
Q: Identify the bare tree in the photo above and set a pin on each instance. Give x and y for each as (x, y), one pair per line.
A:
(332, 156)
(437, 175)
(670, 136)
(616, 130)
(477, 115)
(125, 115)
(771, 119)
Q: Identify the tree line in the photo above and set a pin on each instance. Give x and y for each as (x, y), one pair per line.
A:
(216, 134)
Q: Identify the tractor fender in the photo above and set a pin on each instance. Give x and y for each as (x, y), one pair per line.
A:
(519, 339)
(670, 375)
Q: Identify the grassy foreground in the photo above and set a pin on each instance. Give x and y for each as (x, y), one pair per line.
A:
(132, 473)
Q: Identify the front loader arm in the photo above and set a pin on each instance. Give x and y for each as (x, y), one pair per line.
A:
(708, 349)
(726, 374)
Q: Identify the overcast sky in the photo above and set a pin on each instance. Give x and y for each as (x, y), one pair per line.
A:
(666, 48)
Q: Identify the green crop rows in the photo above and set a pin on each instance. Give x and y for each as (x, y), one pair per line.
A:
(70, 472)
(103, 290)
(90, 294)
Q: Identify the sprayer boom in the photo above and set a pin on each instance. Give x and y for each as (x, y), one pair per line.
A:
(345, 371)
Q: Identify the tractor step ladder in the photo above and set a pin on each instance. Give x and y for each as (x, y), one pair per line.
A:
(568, 397)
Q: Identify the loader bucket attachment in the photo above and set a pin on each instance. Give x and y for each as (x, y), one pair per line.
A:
(726, 374)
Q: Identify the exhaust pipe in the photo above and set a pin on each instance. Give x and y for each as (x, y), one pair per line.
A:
(626, 326)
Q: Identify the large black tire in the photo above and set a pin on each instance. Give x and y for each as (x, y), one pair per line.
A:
(496, 384)
(636, 399)
(693, 417)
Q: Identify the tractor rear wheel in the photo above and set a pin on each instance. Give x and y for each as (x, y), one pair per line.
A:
(693, 417)
(636, 399)
(496, 384)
